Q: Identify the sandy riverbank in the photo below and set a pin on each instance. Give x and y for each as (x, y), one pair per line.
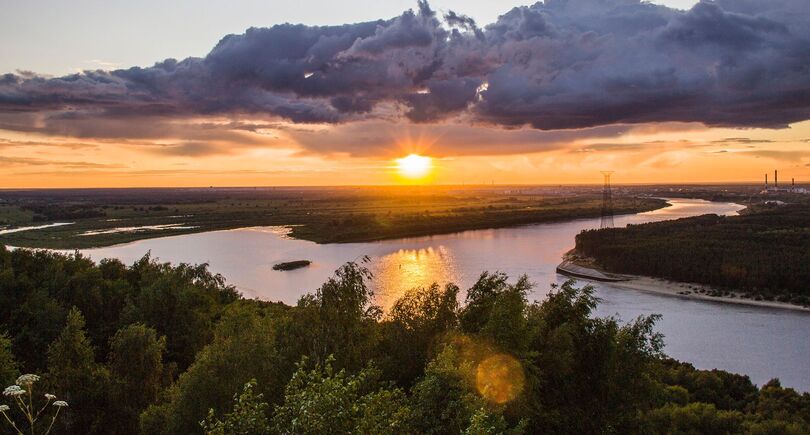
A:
(671, 288)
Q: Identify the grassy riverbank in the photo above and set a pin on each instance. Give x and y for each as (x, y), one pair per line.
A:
(103, 217)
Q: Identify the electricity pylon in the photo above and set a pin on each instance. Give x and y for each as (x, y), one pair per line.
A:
(607, 203)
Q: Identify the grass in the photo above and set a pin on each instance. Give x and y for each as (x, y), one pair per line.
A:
(326, 215)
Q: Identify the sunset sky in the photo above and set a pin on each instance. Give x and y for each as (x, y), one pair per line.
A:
(115, 94)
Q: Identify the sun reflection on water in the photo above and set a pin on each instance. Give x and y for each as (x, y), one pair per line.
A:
(406, 269)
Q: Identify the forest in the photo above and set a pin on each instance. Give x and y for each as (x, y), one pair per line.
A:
(154, 348)
(763, 254)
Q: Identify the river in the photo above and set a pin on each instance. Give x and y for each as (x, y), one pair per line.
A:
(759, 342)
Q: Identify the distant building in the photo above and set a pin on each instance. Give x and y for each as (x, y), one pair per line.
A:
(792, 188)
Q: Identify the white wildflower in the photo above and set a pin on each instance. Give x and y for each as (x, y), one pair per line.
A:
(60, 403)
(50, 396)
(4, 408)
(13, 390)
(27, 379)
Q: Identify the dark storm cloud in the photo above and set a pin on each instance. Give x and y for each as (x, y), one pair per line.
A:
(558, 64)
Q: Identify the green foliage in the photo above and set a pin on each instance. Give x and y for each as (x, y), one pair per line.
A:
(9, 368)
(338, 321)
(322, 401)
(722, 389)
(74, 374)
(247, 418)
(384, 412)
(156, 349)
(179, 302)
(137, 373)
(485, 423)
(715, 398)
(244, 348)
(34, 325)
(413, 329)
(445, 400)
(764, 253)
(695, 418)
(497, 310)
(777, 403)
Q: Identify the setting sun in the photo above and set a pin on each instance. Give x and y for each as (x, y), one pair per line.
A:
(414, 166)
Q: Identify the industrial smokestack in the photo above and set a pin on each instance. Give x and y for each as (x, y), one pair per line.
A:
(775, 178)
(766, 181)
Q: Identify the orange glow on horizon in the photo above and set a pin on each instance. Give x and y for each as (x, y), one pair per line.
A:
(652, 153)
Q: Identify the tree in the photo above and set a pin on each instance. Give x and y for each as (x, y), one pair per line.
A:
(485, 423)
(497, 310)
(244, 348)
(181, 303)
(247, 418)
(34, 325)
(9, 369)
(695, 418)
(414, 328)
(588, 375)
(322, 401)
(74, 374)
(445, 400)
(779, 403)
(339, 321)
(137, 373)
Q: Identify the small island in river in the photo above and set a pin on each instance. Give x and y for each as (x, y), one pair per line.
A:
(292, 265)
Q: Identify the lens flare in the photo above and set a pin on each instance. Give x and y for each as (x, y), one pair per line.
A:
(414, 166)
(500, 378)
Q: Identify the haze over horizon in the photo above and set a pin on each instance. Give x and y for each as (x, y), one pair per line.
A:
(545, 94)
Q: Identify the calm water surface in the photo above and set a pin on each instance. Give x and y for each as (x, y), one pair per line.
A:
(760, 342)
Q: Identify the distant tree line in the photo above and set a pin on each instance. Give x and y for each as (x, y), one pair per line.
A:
(159, 349)
(57, 212)
(354, 227)
(765, 254)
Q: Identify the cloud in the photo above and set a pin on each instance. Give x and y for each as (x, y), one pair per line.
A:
(7, 143)
(374, 138)
(33, 161)
(634, 146)
(785, 155)
(741, 140)
(558, 64)
(193, 149)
